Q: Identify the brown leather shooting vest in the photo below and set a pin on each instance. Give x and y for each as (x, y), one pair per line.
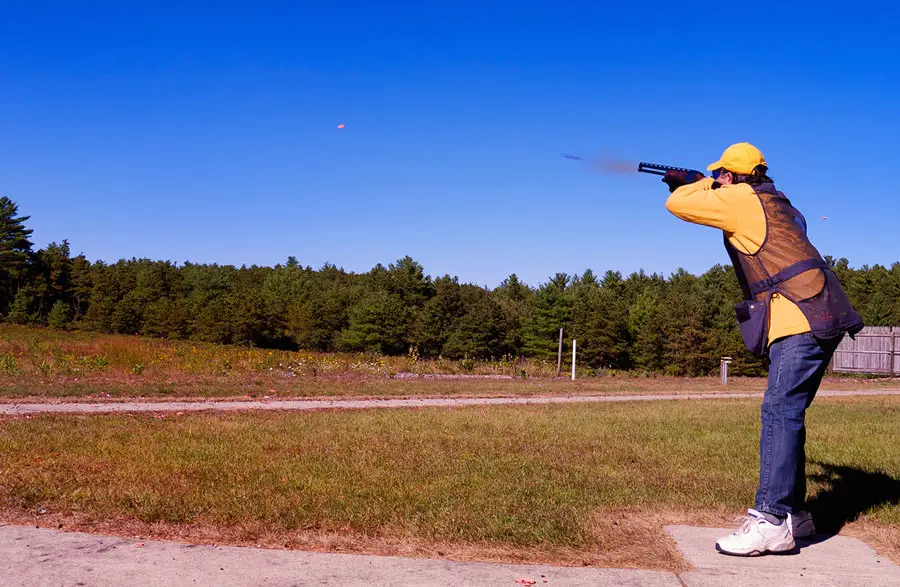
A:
(788, 264)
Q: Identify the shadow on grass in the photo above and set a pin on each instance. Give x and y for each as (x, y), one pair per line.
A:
(846, 493)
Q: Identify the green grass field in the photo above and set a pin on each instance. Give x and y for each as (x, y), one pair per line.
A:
(578, 484)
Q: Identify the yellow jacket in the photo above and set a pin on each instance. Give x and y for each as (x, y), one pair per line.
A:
(736, 210)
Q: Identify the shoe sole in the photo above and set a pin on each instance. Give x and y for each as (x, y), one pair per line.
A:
(792, 550)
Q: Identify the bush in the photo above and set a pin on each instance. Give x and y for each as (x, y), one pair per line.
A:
(18, 310)
(60, 316)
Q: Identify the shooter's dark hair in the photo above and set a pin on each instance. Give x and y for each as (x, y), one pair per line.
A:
(757, 177)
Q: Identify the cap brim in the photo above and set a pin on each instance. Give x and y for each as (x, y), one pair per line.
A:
(714, 166)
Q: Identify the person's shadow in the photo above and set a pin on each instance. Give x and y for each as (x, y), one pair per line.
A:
(846, 493)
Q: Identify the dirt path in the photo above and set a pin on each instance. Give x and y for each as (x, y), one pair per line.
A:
(320, 404)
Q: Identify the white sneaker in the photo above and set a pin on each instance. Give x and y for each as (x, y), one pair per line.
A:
(802, 525)
(757, 536)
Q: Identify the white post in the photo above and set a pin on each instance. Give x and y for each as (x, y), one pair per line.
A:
(574, 346)
(723, 369)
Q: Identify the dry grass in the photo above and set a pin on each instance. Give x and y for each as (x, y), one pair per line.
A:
(563, 484)
(46, 353)
(43, 363)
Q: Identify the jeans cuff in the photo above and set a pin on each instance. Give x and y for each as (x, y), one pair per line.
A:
(772, 511)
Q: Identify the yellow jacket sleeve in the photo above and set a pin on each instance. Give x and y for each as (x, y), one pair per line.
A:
(699, 203)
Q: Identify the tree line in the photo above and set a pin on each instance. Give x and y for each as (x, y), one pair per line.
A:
(680, 325)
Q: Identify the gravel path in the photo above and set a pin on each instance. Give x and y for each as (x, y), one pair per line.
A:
(231, 406)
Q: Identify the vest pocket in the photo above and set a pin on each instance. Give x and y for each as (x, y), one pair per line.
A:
(753, 319)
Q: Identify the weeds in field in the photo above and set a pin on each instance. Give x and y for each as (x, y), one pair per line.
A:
(9, 365)
(38, 359)
(81, 353)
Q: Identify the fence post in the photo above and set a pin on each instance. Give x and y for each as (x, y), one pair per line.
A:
(893, 351)
(559, 355)
(574, 346)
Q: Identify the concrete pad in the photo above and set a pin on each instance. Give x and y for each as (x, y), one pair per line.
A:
(31, 556)
(822, 560)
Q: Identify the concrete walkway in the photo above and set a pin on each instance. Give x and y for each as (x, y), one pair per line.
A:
(31, 556)
(332, 404)
(838, 560)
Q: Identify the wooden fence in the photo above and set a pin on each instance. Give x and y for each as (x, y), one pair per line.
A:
(876, 350)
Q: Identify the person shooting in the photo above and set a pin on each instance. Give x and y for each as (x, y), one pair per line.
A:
(794, 311)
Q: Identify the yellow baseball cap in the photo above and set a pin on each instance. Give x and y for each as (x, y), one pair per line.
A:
(740, 158)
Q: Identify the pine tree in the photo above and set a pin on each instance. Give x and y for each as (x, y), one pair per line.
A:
(682, 323)
(51, 278)
(19, 311)
(599, 323)
(439, 317)
(551, 309)
(59, 316)
(378, 324)
(15, 250)
(514, 298)
(82, 285)
(479, 333)
(644, 328)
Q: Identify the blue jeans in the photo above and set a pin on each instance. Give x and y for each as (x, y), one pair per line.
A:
(798, 364)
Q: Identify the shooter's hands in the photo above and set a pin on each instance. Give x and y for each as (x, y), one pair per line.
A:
(675, 179)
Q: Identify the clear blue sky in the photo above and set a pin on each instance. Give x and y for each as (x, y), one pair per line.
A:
(207, 132)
